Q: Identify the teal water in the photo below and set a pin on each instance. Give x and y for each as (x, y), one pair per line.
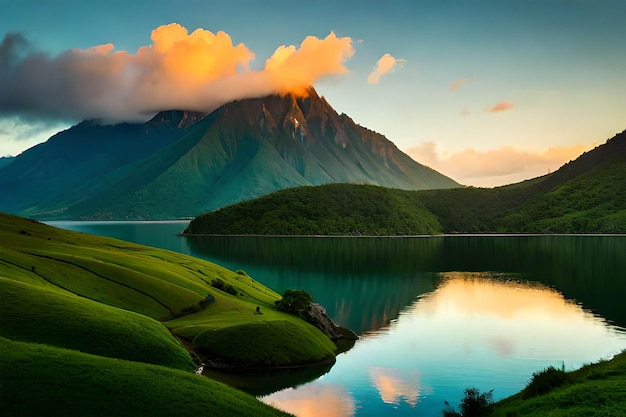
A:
(435, 314)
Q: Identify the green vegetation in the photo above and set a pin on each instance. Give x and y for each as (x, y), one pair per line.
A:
(473, 404)
(41, 380)
(118, 302)
(277, 343)
(587, 195)
(294, 301)
(222, 286)
(33, 314)
(594, 390)
(545, 381)
(333, 209)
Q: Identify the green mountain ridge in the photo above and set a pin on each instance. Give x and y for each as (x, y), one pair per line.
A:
(587, 195)
(181, 164)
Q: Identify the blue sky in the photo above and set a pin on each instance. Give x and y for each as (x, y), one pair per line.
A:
(488, 92)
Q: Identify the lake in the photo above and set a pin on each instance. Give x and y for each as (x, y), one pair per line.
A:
(435, 315)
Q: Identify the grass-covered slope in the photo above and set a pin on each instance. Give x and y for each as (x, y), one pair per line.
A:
(101, 274)
(119, 301)
(41, 380)
(587, 195)
(34, 314)
(333, 209)
(594, 390)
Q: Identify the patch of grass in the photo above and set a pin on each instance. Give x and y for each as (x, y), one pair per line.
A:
(32, 314)
(222, 286)
(545, 381)
(266, 343)
(594, 390)
(40, 380)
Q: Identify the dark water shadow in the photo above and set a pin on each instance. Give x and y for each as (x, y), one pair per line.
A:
(264, 382)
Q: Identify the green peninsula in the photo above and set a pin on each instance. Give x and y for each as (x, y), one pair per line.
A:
(86, 317)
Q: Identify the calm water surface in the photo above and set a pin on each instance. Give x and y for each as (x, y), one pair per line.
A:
(435, 314)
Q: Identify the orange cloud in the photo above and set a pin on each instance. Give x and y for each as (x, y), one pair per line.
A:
(494, 167)
(201, 55)
(295, 69)
(385, 64)
(179, 70)
(456, 84)
(500, 107)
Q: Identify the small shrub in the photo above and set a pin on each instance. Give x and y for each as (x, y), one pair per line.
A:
(223, 286)
(191, 309)
(209, 299)
(544, 381)
(294, 302)
(474, 404)
(241, 272)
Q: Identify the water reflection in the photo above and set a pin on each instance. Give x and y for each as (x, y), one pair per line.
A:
(588, 269)
(429, 332)
(395, 387)
(315, 401)
(489, 330)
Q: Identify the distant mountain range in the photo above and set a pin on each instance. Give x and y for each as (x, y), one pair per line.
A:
(587, 195)
(180, 164)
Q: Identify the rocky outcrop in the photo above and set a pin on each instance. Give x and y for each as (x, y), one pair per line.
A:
(317, 316)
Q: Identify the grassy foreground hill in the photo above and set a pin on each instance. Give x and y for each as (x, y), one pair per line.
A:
(77, 308)
(594, 390)
(587, 195)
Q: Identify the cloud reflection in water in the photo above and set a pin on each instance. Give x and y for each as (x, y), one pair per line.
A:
(314, 401)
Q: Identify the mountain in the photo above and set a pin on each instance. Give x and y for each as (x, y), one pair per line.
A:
(180, 164)
(587, 195)
(6, 160)
(81, 161)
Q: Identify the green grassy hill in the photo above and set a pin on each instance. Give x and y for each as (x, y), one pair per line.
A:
(594, 390)
(333, 209)
(106, 298)
(587, 195)
(42, 380)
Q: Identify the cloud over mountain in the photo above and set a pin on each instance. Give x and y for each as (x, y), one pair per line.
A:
(193, 71)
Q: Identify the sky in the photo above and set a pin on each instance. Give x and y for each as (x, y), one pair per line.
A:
(488, 92)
